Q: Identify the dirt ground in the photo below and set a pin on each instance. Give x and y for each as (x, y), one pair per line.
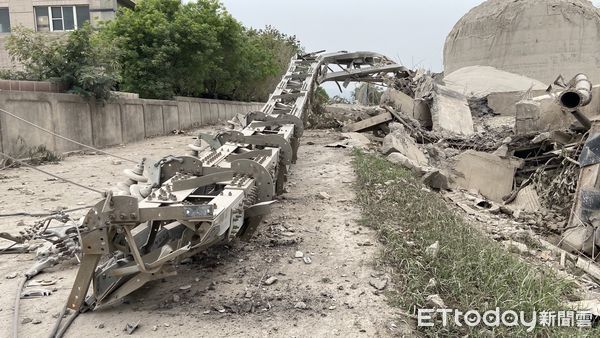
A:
(220, 293)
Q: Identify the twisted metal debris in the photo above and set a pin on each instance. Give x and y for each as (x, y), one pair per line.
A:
(178, 206)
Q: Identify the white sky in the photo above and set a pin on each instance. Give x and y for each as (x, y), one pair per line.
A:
(412, 32)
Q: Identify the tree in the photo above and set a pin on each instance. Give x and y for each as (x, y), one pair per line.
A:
(196, 49)
(80, 60)
(272, 50)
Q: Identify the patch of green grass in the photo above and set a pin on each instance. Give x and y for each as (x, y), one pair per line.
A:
(472, 271)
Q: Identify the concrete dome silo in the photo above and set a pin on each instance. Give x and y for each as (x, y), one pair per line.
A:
(536, 38)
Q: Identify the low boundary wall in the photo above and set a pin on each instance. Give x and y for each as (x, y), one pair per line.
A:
(121, 121)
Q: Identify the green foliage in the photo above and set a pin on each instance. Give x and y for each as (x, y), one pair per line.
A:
(160, 49)
(168, 48)
(79, 60)
(319, 117)
(321, 97)
(272, 51)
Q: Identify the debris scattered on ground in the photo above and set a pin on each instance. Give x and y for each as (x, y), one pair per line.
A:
(271, 280)
(470, 136)
(433, 250)
(131, 327)
(324, 196)
(300, 306)
(378, 283)
(35, 293)
(436, 302)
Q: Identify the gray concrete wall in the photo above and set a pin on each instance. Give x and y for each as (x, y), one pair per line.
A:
(121, 121)
(505, 103)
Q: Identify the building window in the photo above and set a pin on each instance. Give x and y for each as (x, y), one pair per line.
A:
(60, 18)
(4, 21)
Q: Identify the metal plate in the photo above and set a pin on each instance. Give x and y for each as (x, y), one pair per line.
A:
(261, 176)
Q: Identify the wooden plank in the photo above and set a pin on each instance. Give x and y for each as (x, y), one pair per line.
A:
(370, 122)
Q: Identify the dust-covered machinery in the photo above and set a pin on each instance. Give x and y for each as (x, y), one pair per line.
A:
(177, 206)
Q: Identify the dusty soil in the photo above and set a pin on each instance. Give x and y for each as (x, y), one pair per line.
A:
(221, 293)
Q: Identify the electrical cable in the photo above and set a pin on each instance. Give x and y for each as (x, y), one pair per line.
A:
(15, 323)
(45, 214)
(52, 175)
(56, 326)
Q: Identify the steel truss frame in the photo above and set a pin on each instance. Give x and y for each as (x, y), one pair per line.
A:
(177, 206)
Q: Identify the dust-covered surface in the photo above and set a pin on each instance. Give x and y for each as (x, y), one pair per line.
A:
(223, 292)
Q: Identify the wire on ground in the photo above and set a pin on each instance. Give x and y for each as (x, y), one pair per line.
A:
(52, 175)
(64, 138)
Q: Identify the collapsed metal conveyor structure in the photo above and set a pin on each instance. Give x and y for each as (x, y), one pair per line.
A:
(175, 207)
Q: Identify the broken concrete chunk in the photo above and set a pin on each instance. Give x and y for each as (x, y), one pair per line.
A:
(370, 122)
(436, 180)
(502, 151)
(436, 302)
(590, 267)
(357, 140)
(324, 196)
(404, 161)
(271, 280)
(399, 141)
(580, 239)
(398, 100)
(300, 306)
(431, 284)
(378, 284)
(433, 250)
(131, 327)
(527, 200)
(588, 305)
(490, 174)
(484, 80)
(541, 138)
(513, 246)
(450, 112)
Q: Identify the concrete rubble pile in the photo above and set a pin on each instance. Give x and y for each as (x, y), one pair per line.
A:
(504, 167)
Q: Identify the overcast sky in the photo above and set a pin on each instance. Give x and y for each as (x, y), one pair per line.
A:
(411, 32)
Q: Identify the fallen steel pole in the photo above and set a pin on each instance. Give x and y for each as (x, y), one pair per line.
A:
(177, 206)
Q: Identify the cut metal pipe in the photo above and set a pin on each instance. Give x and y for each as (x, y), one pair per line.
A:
(578, 94)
